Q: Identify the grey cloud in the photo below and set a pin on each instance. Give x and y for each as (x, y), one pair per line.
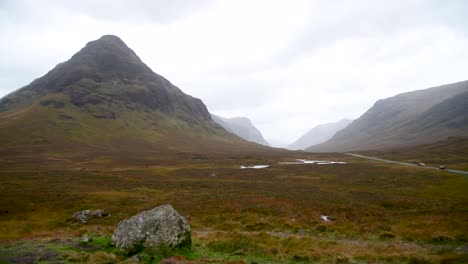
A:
(233, 94)
(338, 20)
(163, 11)
(285, 90)
(120, 11)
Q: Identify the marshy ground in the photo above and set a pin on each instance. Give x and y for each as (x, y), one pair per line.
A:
(381, 213)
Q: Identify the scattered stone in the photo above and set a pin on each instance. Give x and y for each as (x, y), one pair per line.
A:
(212, 175)
(161, 226)
(98, 213)
(324, 218)
(83, 216)
(84, 239)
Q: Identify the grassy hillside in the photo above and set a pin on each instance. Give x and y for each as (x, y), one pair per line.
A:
(106, 98)
(452, 153)
(408, 119)
(40, 127)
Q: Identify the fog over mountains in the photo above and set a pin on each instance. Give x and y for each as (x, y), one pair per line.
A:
(242, 127)
(319, 134)
(407, 119)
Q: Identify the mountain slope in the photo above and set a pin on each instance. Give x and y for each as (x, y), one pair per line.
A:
(242, 127)
(407, 119)
(319, 134)
(106, 97)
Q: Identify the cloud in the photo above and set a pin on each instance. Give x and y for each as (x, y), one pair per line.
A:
(287, 65)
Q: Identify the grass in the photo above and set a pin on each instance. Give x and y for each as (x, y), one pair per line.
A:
(382, 213)
(452, 153)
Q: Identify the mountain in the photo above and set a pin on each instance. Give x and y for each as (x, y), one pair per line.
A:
(105, 97)
(319, 134)
(407, 119)
(242, 127)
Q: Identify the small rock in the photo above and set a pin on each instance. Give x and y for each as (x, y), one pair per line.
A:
(324, 218)
(99, 213)
(161, 226)
(81, 216)
(84, 239)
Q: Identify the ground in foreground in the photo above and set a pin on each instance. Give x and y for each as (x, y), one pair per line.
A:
(380, 212)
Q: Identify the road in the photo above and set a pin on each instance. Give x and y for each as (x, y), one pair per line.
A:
(406, 164)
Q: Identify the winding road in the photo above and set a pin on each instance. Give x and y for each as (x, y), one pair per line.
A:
(406, 163)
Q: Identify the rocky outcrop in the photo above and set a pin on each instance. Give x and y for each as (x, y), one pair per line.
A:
(161, 226)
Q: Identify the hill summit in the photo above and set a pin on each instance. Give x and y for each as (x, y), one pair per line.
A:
(105, 96)
(107, 72)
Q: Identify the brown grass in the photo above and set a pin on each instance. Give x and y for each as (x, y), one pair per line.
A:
(381, 212)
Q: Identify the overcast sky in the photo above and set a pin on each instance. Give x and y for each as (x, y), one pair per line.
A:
(287, 65)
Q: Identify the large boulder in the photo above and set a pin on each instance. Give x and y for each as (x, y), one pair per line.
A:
(161, 226)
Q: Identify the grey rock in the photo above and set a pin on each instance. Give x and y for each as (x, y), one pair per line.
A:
(161, 226)
(83, 216)
(99, 213)
(84, 239)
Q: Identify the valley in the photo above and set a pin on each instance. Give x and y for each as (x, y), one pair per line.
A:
(103, 134)
(380, 212)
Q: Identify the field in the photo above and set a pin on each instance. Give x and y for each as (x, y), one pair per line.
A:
(381, 213)
(452, 153)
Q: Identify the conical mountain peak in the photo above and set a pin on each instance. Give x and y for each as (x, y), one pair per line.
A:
(108, 74)
(109, 54)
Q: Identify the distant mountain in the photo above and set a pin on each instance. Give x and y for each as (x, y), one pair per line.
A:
(319, 134)
(408, 119)
(105, 97)
(242, 127)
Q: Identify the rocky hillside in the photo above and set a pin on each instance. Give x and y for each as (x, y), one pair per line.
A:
(319, 134)
(408, 119)
(242, 127)
(106, 97)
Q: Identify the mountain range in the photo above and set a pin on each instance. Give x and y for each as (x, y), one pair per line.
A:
(105, 97)
(407, 119)
(242, 127)
(319, 134)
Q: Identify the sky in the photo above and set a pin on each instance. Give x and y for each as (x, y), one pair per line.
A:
(287, 65)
